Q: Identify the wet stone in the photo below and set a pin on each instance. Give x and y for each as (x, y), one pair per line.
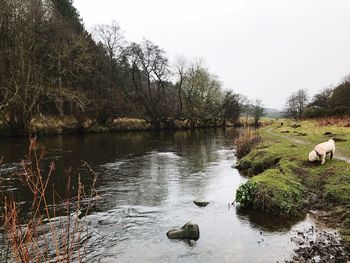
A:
(200, 203)
(189, 231)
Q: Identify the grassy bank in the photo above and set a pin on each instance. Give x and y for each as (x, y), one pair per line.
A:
(49, 125)
(55, 125)
(284, 182)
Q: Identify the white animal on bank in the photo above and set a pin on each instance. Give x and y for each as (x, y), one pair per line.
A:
(320, 151)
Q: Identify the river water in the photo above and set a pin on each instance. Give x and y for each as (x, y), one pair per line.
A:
(147, 182)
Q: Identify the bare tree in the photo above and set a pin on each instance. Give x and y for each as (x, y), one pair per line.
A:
(151, 90)
(22, 83)
(113, 41)
(296, 104)
(257, 112)
(181, 68)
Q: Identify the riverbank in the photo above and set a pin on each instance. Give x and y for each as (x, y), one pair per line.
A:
(54, 125)
(51, 125)
(283, 181)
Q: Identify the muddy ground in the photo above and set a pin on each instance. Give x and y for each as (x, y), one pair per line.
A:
(319, 246)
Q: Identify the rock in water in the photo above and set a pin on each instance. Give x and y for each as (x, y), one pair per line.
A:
(200, 203)
(188, 231)
(192, 243)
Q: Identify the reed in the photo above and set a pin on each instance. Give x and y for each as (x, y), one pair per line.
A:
(246, 142)
(51, 231)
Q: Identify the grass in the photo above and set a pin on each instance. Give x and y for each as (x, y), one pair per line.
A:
(278, 192)
(258, 161)
(284, 181)
(273, 191)
(319, 130)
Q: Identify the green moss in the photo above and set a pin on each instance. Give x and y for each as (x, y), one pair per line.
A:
(258, 161)
(274, 192)
(286, 178)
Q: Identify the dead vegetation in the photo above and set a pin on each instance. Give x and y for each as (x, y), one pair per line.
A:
(246, 142)
(51, 229)
(335, 121)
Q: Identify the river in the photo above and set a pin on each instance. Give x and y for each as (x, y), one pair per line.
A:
(147, 182)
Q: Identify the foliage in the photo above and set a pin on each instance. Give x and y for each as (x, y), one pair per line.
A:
(330, 102)
(203, 96)
(245, 193)
(340, 98)
(234, 106)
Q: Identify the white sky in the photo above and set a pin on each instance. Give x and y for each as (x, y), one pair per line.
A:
(264, 49)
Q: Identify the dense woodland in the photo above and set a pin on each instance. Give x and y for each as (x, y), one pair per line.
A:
(51, 65)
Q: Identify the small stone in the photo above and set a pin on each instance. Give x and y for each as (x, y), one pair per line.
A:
(200, 203)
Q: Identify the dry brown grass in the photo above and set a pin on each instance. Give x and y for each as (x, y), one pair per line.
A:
(51, 231)
(246, 142)
(335, 121)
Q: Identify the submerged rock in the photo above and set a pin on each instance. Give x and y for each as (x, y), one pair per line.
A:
(188, 231)
(200, 203)
(192, 243)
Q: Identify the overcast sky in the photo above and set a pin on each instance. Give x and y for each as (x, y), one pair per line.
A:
(264, 49)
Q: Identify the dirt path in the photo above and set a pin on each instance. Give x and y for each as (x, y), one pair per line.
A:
(338, 156)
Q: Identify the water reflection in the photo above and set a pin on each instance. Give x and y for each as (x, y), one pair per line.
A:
(271, 223)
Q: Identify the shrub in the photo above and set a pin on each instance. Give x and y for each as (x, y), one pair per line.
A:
(246, 142)
(245, 193)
